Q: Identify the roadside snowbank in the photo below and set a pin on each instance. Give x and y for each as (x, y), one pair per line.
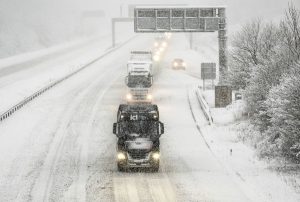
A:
(47, 66)
(35, 55)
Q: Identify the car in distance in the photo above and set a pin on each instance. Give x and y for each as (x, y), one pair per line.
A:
(178, 63)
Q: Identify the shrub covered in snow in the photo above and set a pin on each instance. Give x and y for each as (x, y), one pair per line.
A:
(283, 110)
(265, 63)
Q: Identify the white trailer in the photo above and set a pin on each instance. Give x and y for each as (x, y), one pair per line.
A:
(139, 79)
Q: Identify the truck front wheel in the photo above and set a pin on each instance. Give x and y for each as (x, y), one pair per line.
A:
(155, 167)
(120, 168)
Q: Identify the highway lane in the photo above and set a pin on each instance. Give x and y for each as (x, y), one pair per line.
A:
(45, 156)
(63, 148)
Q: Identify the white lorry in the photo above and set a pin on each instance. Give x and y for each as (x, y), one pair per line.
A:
(140, 78)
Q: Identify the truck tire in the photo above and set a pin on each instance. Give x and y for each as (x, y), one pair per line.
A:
(155, 167)
(120, 168)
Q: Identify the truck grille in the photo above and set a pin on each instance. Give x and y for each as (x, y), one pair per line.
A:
(138, 154)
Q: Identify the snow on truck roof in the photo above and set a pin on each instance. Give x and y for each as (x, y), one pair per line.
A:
(142, 61)
(138, 107)
(178, 7)
(141, 52)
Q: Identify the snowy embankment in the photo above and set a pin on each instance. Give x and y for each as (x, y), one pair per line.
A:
(252, 175)
(241, 160)
(36, 56)
(23, 75)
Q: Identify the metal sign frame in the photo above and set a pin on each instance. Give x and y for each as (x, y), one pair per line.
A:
(176, 19)
(189, 19)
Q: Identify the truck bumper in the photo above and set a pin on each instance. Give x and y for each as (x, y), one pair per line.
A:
(139, 163)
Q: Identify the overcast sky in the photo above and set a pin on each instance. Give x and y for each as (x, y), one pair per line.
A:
(238, 11)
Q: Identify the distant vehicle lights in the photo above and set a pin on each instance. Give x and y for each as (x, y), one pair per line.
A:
(156, 58)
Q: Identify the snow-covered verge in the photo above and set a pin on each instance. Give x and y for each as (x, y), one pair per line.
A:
(254, 177)
(230, 114)
(233, 139)
(34, 25)
(31, 57)
(46, 66)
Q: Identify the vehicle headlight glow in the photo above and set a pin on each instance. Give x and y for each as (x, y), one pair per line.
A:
(164, 44)
(175, 64)
(155, 155)
(156, 58)
(128, 96)
(121, 156)
(183, 64)
(168, 35)
(161, 49)
(156, 44)
(149, 97)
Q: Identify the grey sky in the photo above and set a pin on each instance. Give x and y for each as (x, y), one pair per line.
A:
(238, 11)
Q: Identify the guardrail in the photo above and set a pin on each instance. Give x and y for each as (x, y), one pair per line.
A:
(16, 107)
(204, 106)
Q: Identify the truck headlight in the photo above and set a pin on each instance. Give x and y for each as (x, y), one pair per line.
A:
(175, 64)
(183, 64)
(128, 96)
(149, 97)
(121, 156)
(164, 44)
(155, 155)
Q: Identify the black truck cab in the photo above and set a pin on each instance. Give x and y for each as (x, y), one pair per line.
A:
(138, 130)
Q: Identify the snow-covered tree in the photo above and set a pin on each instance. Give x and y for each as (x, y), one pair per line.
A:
(290, 33)
(283, 108)
(256, 44)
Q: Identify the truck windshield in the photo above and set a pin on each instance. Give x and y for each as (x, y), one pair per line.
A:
(139, 81)
(143, 128)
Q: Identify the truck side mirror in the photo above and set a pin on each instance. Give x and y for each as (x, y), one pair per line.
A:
(161, 128)
(126, 80)
(151, 79)
(115, 125)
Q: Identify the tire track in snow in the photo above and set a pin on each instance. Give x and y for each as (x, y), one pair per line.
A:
(81, 192)
(44, 182)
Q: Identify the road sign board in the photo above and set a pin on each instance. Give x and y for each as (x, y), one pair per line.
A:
(223, 96)
(183, 19)
(208, 71)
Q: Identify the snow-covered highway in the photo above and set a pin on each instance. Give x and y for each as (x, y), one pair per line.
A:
(60, 147)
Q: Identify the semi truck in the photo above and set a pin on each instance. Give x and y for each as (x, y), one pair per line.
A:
(138, 130)
(140, 77)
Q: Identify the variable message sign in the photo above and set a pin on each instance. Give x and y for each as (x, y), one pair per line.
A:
(208, 71)
(176, 19)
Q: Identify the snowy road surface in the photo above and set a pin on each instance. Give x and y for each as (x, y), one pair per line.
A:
(60, 147)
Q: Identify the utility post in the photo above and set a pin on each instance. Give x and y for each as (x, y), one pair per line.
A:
(223, 68)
